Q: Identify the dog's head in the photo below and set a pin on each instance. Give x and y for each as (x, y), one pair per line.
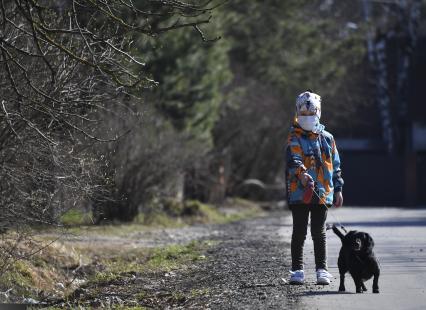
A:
(358, 241)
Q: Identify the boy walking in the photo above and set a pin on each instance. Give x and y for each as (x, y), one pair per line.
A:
(313, 168)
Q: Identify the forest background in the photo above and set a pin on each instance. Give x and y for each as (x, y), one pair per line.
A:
(122, 108)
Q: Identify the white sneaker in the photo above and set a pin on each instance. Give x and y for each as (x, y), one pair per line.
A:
(297, 277)
(323, 277)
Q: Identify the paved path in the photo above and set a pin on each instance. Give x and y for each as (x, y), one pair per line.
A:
(400, 238)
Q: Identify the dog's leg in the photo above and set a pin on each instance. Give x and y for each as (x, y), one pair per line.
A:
(376, 281)
(342, 270)
(342, 282)
(358, 284)
(363, 286)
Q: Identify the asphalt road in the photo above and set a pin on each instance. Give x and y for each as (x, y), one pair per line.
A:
(400, 245)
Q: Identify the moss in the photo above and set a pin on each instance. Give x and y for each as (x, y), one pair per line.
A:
(74, 217)
(160, 219)
(129, 308)
(173, 256)
(19, 277)
(41, 272)
(191, 212)
(179, 297)
(192, 208)
(241, 203)
(212, 214)
(40, 262)
(199, 292)
(141, 296)
(169, 212)
(160, 259)
(102, 278)
(172, 206)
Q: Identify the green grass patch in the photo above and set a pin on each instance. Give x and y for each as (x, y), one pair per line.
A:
(74, 217)
(164, 259)
(129, 308)
(188, 213)
(199, 292)
(174, 256)
(120, 229)
(159, 219)
(212, 214)
(45, 267)
(170, 213)
(105, 277)
(142, 223)
(19, 277)
(117, 307)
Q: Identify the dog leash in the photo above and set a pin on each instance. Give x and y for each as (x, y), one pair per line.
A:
(334, 217)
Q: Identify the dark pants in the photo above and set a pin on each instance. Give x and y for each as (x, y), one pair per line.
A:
(300, 227)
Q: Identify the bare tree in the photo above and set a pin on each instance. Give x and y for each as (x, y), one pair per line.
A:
(65, 65)
(393, 20)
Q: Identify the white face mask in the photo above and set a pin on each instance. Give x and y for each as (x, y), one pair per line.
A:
(308, 122)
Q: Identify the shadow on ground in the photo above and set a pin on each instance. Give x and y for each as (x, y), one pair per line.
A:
(409, 222)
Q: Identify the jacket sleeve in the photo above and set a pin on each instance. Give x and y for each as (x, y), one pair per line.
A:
(294, 157)
(337, 171)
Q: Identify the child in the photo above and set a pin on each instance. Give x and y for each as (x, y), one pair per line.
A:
(313, 168)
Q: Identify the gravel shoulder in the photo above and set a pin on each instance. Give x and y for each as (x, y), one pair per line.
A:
(246, 268)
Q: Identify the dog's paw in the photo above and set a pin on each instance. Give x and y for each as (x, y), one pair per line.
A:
(342, 289)
(359, 291)
(376, 291)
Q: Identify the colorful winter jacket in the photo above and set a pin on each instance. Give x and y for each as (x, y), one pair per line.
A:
(317, 154)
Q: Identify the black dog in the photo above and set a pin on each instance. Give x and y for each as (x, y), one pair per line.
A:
(357, 257)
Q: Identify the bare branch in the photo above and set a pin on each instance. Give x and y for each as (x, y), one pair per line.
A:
(203, 36)
(8, 120)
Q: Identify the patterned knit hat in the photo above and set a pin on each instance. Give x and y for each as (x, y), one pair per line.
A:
(308, 101)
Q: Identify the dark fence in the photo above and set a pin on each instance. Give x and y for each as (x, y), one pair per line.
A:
(373, 177)
(421, 178)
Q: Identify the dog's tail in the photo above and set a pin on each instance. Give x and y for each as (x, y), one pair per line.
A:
(338, 232)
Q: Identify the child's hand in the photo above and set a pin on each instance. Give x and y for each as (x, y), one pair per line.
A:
(305, 178)
(338, 199)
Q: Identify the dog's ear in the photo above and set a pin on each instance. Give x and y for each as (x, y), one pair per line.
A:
(351, 233)
(368, 241)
